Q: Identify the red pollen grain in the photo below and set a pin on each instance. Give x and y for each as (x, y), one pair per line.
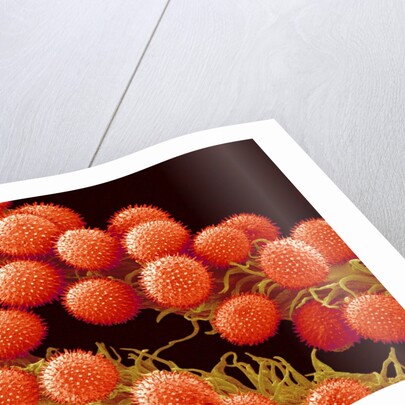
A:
(254, 226)
(248, 398)
(173, 388)
(176, 281)
(64, 218)
(220, 245)
(293, 264)
(323, 328)
(20, 332)
(152, 240)
(78, 378)
(319, 234)
(88, 249)
(18, 387)
(29, 283)
(127, 218)
(377, 317)
(247, 319)
(26, 235)
(101, 301)
(4, 206)
(342, 391)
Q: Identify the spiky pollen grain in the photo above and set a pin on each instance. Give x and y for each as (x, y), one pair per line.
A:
(4, 206)
(64, 218)
(319, 234)
(323, 328)
(341, 391)
(26, 235)
(18, 387)
(78, 378)
(248, 398)
(127, 218)
(220, 245)
(88, 249)
(247, 319)
(20, 332)
(378, 317)
(101, 301)
(176, 281)
(173, 388)
(152, 240)
(293, 264)
(254, 226)
(29, 283)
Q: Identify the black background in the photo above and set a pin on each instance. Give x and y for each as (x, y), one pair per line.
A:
(198, 189)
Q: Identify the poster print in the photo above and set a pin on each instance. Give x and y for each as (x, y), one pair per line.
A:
(207, 278)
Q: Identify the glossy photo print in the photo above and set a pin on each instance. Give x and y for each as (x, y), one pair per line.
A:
(205, 279)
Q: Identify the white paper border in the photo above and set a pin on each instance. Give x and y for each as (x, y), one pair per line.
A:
(362, 237)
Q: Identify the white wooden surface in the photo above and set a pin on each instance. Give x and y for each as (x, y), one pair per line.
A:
(64, 66)
(87, 82)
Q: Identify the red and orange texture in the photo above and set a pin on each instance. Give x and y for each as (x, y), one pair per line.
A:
(240, 276)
